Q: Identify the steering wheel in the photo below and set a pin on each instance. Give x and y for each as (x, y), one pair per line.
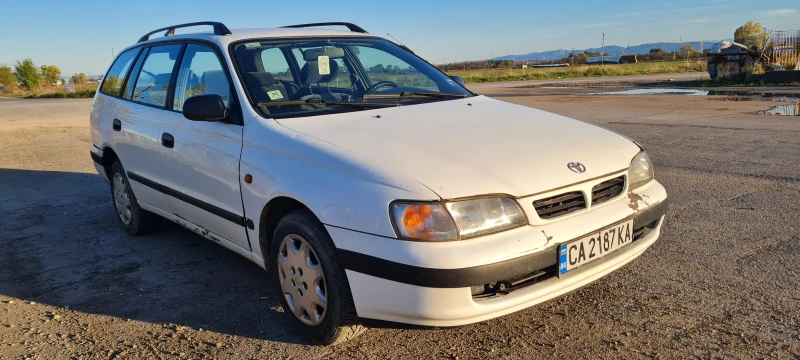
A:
(380, 84)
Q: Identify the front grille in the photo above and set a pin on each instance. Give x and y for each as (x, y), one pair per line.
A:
(607, 190)
(559, 205)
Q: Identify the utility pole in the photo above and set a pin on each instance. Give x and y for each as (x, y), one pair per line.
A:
(572, 59)
(603, 51)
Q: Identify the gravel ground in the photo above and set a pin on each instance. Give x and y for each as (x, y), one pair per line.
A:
(721, 282)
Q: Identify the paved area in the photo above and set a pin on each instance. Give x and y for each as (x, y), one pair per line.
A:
(723, 281)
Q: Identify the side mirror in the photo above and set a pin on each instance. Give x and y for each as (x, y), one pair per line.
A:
(458, 79)
(205, 108)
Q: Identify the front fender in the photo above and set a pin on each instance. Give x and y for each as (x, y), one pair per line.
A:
(339, 187)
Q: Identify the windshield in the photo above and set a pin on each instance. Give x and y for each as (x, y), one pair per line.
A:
(306, 77)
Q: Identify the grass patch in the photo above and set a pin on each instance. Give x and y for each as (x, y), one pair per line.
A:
(580, 71)
(82, 94)
(82, 91)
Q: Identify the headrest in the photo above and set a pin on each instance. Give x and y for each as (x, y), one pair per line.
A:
(215, 81)
(331, 52)
(264, 78)
(310, 73)
(214, 76)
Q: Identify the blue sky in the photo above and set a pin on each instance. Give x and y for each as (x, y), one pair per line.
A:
(78, 36)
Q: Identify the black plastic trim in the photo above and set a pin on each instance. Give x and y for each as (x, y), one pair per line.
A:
(219, 29)
(350, 26)
(445, 278)
(225, 214)
(471, 276)
(98, 159)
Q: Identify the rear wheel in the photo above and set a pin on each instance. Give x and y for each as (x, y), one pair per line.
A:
(310, 281)
(134, 219)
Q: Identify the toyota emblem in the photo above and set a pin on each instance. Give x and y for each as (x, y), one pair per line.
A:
(576, 167)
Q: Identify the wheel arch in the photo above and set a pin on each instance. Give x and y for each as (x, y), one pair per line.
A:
(270, 216)
(109, 156)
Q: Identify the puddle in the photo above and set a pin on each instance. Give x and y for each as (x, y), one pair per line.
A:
(792, 109)
(783, 110)
(655, 92)
(731, 95)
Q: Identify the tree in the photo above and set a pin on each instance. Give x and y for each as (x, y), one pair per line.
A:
(657, 51)
(750, 34)
(79, 78)
(26, 73)
(378, 69)
(687, 51)
(7, 78)
(50, 73)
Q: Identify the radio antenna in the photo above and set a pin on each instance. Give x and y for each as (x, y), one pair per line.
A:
(395, 39)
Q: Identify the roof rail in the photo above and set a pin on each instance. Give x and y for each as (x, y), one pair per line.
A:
(351, 26)
(219, 29)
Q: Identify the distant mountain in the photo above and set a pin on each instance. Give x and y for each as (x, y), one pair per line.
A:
(610, 50)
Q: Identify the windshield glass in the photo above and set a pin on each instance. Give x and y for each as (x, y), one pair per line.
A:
(306, 77)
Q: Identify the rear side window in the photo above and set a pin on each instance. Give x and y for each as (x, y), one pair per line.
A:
(200, 73)
(153, 81)
(112, 83)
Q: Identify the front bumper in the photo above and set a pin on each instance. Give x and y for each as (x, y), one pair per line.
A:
(431, 284)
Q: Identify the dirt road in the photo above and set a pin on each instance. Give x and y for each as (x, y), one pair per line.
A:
(723, 281)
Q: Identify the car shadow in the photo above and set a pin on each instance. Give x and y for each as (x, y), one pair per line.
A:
(62, 245)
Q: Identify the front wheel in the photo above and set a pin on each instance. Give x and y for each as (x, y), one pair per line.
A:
(310, 281)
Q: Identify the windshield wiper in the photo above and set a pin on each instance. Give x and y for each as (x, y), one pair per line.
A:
(411, 95)
(317, 101)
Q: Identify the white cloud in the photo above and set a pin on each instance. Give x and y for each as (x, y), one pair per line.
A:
(777, 12)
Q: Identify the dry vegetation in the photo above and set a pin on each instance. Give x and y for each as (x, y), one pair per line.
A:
(82, 91)
(496, 75)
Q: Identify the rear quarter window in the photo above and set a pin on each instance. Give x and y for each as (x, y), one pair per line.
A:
(112, 83)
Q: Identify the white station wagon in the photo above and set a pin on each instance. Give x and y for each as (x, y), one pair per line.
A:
(374, 188)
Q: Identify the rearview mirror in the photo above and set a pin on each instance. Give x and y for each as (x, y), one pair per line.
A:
(458, 79)
(205, 108)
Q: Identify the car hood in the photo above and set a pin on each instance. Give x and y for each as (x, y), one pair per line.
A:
(475, 146)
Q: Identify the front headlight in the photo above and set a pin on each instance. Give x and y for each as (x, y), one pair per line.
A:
(640, 172)
(456, 220)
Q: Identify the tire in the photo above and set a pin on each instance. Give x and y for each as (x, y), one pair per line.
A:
(338, 321)
(133, 219)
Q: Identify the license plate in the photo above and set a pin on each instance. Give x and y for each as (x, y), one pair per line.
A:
(594, 246)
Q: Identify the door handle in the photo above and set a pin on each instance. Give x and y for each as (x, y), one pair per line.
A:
(167, 140)
(117, 125)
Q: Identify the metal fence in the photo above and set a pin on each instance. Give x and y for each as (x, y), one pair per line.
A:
(784, 49)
